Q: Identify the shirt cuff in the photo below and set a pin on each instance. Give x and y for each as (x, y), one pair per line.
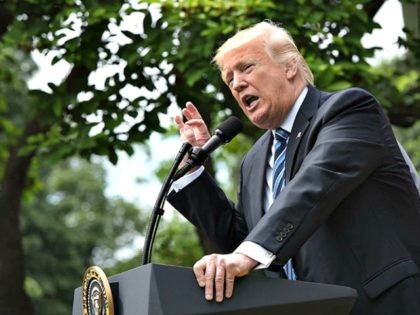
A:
(256, 252)
(187, 179)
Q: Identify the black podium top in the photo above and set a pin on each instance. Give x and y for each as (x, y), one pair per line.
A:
(161, 289)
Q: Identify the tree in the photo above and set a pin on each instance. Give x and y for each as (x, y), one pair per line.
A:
(68, 225)
(54, 126)
(410, 139)
(13, 174)
(167, 56)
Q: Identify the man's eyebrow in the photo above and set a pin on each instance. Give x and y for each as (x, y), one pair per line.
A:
(236, 65)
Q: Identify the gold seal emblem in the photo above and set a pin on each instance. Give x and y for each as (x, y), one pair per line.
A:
(96, 293)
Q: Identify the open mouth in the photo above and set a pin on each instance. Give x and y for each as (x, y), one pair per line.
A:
(250, 100)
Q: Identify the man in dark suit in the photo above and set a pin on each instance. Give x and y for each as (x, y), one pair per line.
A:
(348, 212)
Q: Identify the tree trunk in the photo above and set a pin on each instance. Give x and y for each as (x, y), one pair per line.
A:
(13, 298)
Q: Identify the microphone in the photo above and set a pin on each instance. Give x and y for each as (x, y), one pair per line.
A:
(223, 134)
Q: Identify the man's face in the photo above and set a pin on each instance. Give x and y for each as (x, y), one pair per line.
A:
(263, 88)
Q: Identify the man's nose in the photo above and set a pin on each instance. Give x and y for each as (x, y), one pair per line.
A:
(239, 83)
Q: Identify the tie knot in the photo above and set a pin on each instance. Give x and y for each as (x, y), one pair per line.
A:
(281, 135)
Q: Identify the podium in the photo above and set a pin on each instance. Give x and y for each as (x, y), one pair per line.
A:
(155, 289)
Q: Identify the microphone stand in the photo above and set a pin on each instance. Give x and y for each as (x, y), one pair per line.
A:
(158, 208)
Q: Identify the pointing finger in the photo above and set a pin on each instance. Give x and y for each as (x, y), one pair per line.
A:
(191, 112)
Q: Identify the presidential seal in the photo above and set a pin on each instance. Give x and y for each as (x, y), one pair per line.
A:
(96, 293)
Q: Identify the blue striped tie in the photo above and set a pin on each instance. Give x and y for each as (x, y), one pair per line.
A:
(280, 144)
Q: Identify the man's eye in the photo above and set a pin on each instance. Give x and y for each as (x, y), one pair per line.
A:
(248, 67)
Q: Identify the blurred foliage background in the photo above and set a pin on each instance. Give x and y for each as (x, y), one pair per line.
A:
(56, 218)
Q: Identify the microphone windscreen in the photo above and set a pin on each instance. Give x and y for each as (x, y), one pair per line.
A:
(229, 128)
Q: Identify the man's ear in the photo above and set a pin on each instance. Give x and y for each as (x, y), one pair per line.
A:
(291, 69)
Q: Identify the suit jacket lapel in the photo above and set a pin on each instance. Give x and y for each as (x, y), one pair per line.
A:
(300, 125)
(257, 178)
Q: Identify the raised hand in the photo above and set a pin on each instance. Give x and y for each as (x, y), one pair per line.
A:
(194, 130)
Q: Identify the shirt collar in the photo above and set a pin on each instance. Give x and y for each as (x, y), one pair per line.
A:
(287, 124)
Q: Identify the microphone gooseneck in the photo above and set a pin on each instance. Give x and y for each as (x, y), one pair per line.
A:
(158, 207)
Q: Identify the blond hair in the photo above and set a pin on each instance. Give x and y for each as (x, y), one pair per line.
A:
(278, 44)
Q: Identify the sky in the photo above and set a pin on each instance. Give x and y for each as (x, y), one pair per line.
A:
(390, 17)
(123, 178)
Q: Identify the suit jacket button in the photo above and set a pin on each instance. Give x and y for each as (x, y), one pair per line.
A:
(279, 238)
(289, 225)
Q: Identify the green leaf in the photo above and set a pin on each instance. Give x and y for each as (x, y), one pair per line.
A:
(339, 85)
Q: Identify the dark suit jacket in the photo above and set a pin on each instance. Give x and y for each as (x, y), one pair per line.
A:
(349, 213)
